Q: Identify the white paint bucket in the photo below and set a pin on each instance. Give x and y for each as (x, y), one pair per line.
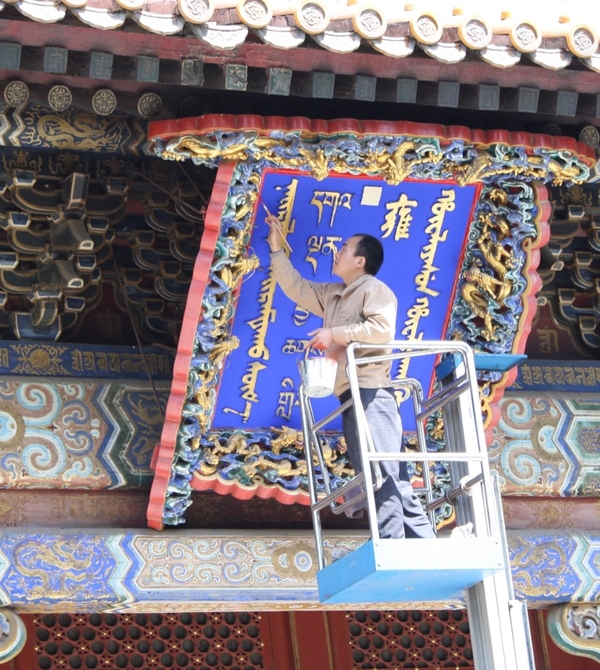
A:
(318, 376)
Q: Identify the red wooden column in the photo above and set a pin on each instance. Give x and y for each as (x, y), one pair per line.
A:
(305, 640)
(276, 636)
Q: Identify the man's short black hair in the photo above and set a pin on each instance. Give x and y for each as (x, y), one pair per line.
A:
(371, 249)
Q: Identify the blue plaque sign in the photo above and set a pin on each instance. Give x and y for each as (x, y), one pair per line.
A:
(422, 225)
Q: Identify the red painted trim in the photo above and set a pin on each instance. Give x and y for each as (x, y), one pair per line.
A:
(209, 123)
(192, 316)
(241, 492)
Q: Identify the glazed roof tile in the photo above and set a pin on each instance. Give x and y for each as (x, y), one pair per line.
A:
(549, 32)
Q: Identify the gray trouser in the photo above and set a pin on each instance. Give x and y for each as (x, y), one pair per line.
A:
(399, 512)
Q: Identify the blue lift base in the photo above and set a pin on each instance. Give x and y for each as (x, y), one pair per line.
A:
(409, 570)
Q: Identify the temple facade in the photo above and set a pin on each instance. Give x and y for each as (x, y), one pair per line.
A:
(151, 515)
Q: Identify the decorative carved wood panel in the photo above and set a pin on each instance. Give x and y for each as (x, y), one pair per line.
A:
(431, 640)
(410, 639)
(149, 641)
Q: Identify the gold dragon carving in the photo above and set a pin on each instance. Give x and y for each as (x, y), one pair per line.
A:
(286, 437)
(536, 575)
(484, 291)
(253, 462)
(394, 166)
(484, 166)
(283, 468)
(205, 395)
(55, 566)
(83, 133)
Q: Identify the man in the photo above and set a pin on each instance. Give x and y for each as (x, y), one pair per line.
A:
(360, 308)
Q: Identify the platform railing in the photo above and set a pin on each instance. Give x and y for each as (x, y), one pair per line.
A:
(469, 456)
(476, 568)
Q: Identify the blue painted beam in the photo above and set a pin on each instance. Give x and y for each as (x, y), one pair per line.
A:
(108, 570)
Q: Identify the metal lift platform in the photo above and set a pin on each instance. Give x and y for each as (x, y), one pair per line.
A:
(472, 563)
(409, 570)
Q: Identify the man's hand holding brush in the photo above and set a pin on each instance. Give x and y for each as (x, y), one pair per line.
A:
(276, 238)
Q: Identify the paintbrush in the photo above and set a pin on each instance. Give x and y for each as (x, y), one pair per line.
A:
(287, 244)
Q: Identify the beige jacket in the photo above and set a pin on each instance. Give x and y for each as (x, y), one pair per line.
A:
(365, 311)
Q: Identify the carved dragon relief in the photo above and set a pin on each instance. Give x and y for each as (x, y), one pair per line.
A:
(486, 292)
